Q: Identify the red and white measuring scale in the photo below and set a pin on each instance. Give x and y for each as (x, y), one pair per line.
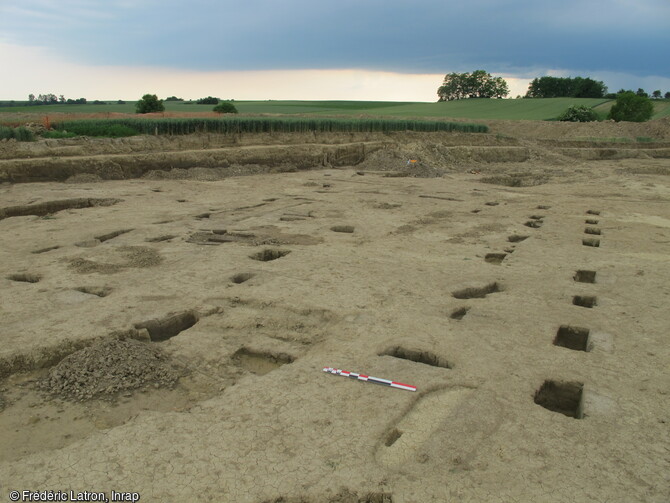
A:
(363, 377)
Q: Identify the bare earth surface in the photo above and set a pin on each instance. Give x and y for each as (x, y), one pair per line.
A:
(166, 335)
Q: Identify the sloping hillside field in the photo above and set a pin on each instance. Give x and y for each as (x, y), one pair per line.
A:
(169, 304)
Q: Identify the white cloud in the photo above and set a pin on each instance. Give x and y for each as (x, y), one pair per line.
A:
(39, 70)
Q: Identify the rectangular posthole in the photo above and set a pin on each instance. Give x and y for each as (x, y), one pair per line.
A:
(588, 301)
(584, 276)
(591, 242)
(562, 397)
(575, 338)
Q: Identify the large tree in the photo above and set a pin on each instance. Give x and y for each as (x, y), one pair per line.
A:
(148, 104)
(631, 107)
(478, 84)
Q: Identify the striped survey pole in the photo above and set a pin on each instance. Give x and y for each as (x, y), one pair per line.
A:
(363, 377)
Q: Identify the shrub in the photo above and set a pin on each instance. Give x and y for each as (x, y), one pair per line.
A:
(24, 134)
(148, 104)
(6, 133)
(108, 128)
(58, 134)
(19, 133)
(631, 107)
(579, 113)
(225, 107)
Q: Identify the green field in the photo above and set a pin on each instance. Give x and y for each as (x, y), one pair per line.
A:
(515, 109)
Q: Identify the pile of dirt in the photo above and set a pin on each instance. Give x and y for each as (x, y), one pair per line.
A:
(109, 367)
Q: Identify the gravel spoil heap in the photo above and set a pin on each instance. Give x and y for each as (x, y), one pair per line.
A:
(109, 367)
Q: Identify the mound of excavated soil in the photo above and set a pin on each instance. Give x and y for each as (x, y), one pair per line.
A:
(109, 367)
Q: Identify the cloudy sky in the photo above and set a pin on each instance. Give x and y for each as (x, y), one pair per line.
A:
(322, 49)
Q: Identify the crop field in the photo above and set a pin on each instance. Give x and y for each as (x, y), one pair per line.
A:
(509, 109)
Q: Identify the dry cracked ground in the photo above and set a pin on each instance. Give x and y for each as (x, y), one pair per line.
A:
(168, 337)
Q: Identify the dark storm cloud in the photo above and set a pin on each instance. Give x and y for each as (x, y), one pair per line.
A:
(513, 36)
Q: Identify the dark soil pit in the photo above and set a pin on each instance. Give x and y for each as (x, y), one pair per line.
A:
(425, 357)
(495, 258)
(343, 228)
(492, 203)
(585, 301)
(165, 328)
(542, 207)
(593, 212)
(160, 239)
(477, 292)
(591, 221)
(459, 314)
(260, 363)
(536, 217)
(592, 230)
(241, 277)
(534, 224)
(112, 235)
(48, 249)
(268, 254)
(49, 207)
(25, 277)
(595, 243)
(98, 291)
(392, 437)
(575, 338)
(584, 276)
(562, 397)
(203, 215)
(516, 238)
(475, 211)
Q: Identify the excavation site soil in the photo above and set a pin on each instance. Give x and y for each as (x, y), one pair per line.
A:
(168, 306)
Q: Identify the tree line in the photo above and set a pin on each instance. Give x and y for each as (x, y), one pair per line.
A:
(480, 84)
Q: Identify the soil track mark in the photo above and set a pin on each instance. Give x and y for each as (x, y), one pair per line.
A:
(425, 357)
(260, 362)
(268, 255)
(477, 292)
(165, 328)
(99, 291)
(459, 314)
(515, 238)
(48, 249)
(404, 441)
(495, 258)
(25, 277)
(241, 277)
(112, 235)
(49, 207)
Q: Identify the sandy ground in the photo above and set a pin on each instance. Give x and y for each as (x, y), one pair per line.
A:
(537, 340)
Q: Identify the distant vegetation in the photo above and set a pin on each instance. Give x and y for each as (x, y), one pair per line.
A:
(209, 100)
(130, 126)
(558, 87)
